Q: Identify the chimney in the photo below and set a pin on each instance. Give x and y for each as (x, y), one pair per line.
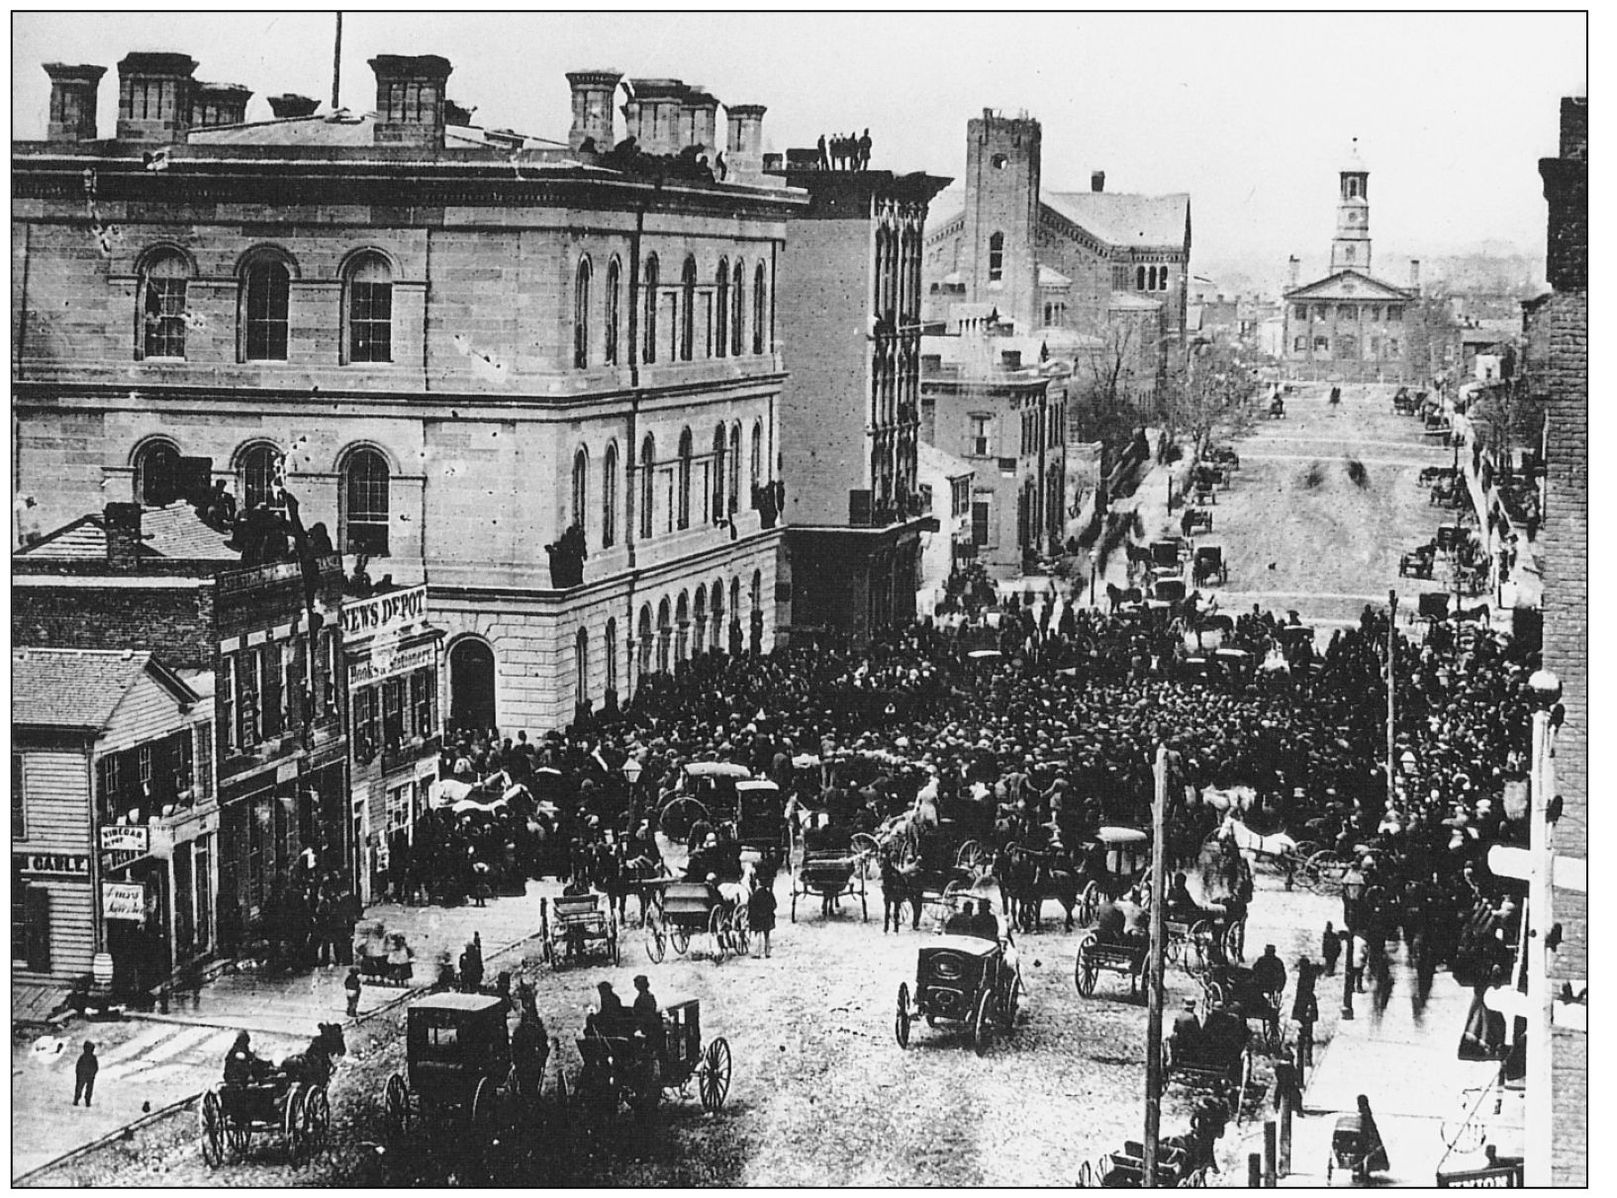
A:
(154, 98)
(122, 524)
(218, 104)
(1414, 275)
(410, 100)
(458, 114)
(73, 97)
(592, 108)
(1294, 268)
(699, 120)
(744, 145)
(289, 106)
(1097, 180)
(1575, 128)
(657, 108)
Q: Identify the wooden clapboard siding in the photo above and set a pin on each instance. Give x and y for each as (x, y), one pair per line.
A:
(148, 711)
(56, 802)
(72, 931)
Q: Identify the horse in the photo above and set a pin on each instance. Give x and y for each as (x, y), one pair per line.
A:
(1027, 878)
(314, 1065)
(900, 884)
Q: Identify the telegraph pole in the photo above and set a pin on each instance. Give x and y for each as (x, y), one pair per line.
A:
(1153, 1025)
(336, 66)
(1392, 686)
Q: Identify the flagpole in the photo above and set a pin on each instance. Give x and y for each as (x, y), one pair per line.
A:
(336, 66)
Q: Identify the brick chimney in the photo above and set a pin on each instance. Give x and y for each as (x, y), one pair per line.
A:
(219, 104)
(122, 523)
(1566, 188)
(1414, 275)
(593, 92)
(410, 100)
(698, 121)
(73, 101)
(1097, 180)
(744, 146)
(654, 120)
(1294, 270)
(289, 105)
(154, 98)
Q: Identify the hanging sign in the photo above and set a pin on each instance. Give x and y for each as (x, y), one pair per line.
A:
(123, 900)
(126, 838)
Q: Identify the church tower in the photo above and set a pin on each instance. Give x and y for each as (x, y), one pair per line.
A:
(999, 264)
(1350, 248)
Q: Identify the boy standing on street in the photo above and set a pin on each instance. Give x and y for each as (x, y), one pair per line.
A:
(352, 984)
(84, 1075)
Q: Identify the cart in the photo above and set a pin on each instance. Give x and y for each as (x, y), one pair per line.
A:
(688, 909)
(831, 875)
(963, 980)
(1096, 953)
(573, 925)
(457, 1059)
(633, 1069)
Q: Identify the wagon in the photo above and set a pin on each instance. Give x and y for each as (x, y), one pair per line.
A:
(706, 792)
(573, 925)
(963, 980)
(1126, 956)
(232, 1114)
(761, 826)
(457, 1060)
(1197, 521)
(1209, 564)
(1115, 860)
(689, 909)
(633, 1069)
(1350, 1151)
(1222, 1078)
(831, 875)
(1231, 986)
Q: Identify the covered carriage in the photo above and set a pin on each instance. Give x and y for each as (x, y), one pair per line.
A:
(631, 1066)
(964, 980)
(457, 1061)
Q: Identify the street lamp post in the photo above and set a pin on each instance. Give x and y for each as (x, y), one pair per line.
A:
(632, 770)
(1094, 566)
(1352, 888)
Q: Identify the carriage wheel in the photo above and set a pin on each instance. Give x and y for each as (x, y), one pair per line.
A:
(901, 1021)
(972, 856)
(1086, 1179)
(718, 926)
(1215, 993)
(952, 893)
(1012, 1002)
(396, 1101)
(1327, 868)
(869, 852)
(212, 1117)
(1089, 899)
(612, 941)
(982, 1023)
(481, 1114)
(715, 1083)
(679, 938)
(292, 1124)
(316, 1121)
(1085, 971)
(741, 931)
(1235, 940)
(656, 939)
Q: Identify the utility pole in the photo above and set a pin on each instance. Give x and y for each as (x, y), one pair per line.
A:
(1392, 687)
(1540, 996)
(1153, 1025)
(336, 66)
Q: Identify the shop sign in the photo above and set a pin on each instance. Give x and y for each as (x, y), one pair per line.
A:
(395, 610)
(56, 865)
(375, 668)
(126, 837)
(1502, 1177)
(123, 900)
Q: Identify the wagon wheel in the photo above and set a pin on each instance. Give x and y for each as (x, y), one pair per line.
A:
(675, 819)
(973, 856)
(1085, 971)
(982, 1023)
(952, 893)
(718, 926)
(316, 1121)
(679, 938)
(1215, 993)
(1235, 940)
(1089, 902)
(292, 1124)
(868, 850)
(901, 1021)
(238, 1135)
(1327, 868)
(396, 1101)
(612, 940)
(1086, 1179)
(212, 1118)
(1013, 999)
(1465, 1137)
(741, 931)
(715, 1082)
(480, 1116)
(656, 938)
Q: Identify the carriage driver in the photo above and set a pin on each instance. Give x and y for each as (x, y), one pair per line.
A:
(243, 1065)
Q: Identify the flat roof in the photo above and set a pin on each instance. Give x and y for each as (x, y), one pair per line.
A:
(457, 1002)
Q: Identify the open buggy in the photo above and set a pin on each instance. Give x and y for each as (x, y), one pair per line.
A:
(572, 926)
(290, 1102)
(964, 980)
(631, 1066)
(457, 1058)
(687, 910)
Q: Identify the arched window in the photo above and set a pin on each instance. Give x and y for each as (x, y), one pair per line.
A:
(650, 354)
(472, 688)
(261, 478)
(369, 310)
(162, 307)
(609, 497)
(718, 615)
(648, 462)
(1164, 279)
(645, 640)
(581, 315)
(665, 634)
(366, 480)
(757, 589)
(757, 459)
(687, 323)
(735, 467)
(609, 646)
(157, 474)
(735, 600)
(682, 627)
(685, 479)
(266, 291)
(1139, 278)
(614, 282)
(699, 622)
(737, 307)
(718, 474)
(581, 668)
(996, 257)
(581, 486)
(722, 308)
(760, 311)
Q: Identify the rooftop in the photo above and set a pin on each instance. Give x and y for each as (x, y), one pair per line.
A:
(77, 688)
(175, 531)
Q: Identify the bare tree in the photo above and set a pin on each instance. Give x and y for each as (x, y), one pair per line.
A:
(1213, 395)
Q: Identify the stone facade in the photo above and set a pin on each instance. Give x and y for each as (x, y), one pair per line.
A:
(545, 345)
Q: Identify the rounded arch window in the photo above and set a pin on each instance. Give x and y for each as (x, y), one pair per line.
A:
(648, 491)
(581, 314)
(649, 353)
(157, 474)
(687, 316)
(721, 309)
(266, 296)
(581, 487)
(614, 287)
(367, 483)
(163, 314)
(645, 639)
(760, 310)
(685, 452)
(262, 478)
(368, 309)
(737, 308)
(609, 497)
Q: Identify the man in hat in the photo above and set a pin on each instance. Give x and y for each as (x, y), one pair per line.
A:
(1185, 1038)
(610, 1018)
(242, 1064)
(647, 1014)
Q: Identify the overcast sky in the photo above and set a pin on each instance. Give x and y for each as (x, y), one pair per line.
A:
(1251, 114)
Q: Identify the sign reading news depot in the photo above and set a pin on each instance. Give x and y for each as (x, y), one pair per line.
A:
(391, 612)
(385, 622)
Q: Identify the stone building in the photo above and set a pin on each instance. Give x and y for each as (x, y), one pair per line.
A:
(946, 485)
(1041, 259)
(1350, 326)
(1558, 376)
(850, 305)
(261, 647)
(464, 350)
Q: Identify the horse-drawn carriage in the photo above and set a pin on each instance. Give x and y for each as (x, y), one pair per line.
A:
(1403, 403)
(1194, 521)
(290, 1102)
(930, 866)
(705, 794)
(830, 874)
(1216, 1069)
(1421, 563)
(965, 980)
(629, 1067)
(1238, 990)
(571, 926)
(1125, 954)
(457, 1058)
(689, 909)
(1209, 565)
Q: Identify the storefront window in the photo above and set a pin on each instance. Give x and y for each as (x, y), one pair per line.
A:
(392, 713)
(424, 701)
